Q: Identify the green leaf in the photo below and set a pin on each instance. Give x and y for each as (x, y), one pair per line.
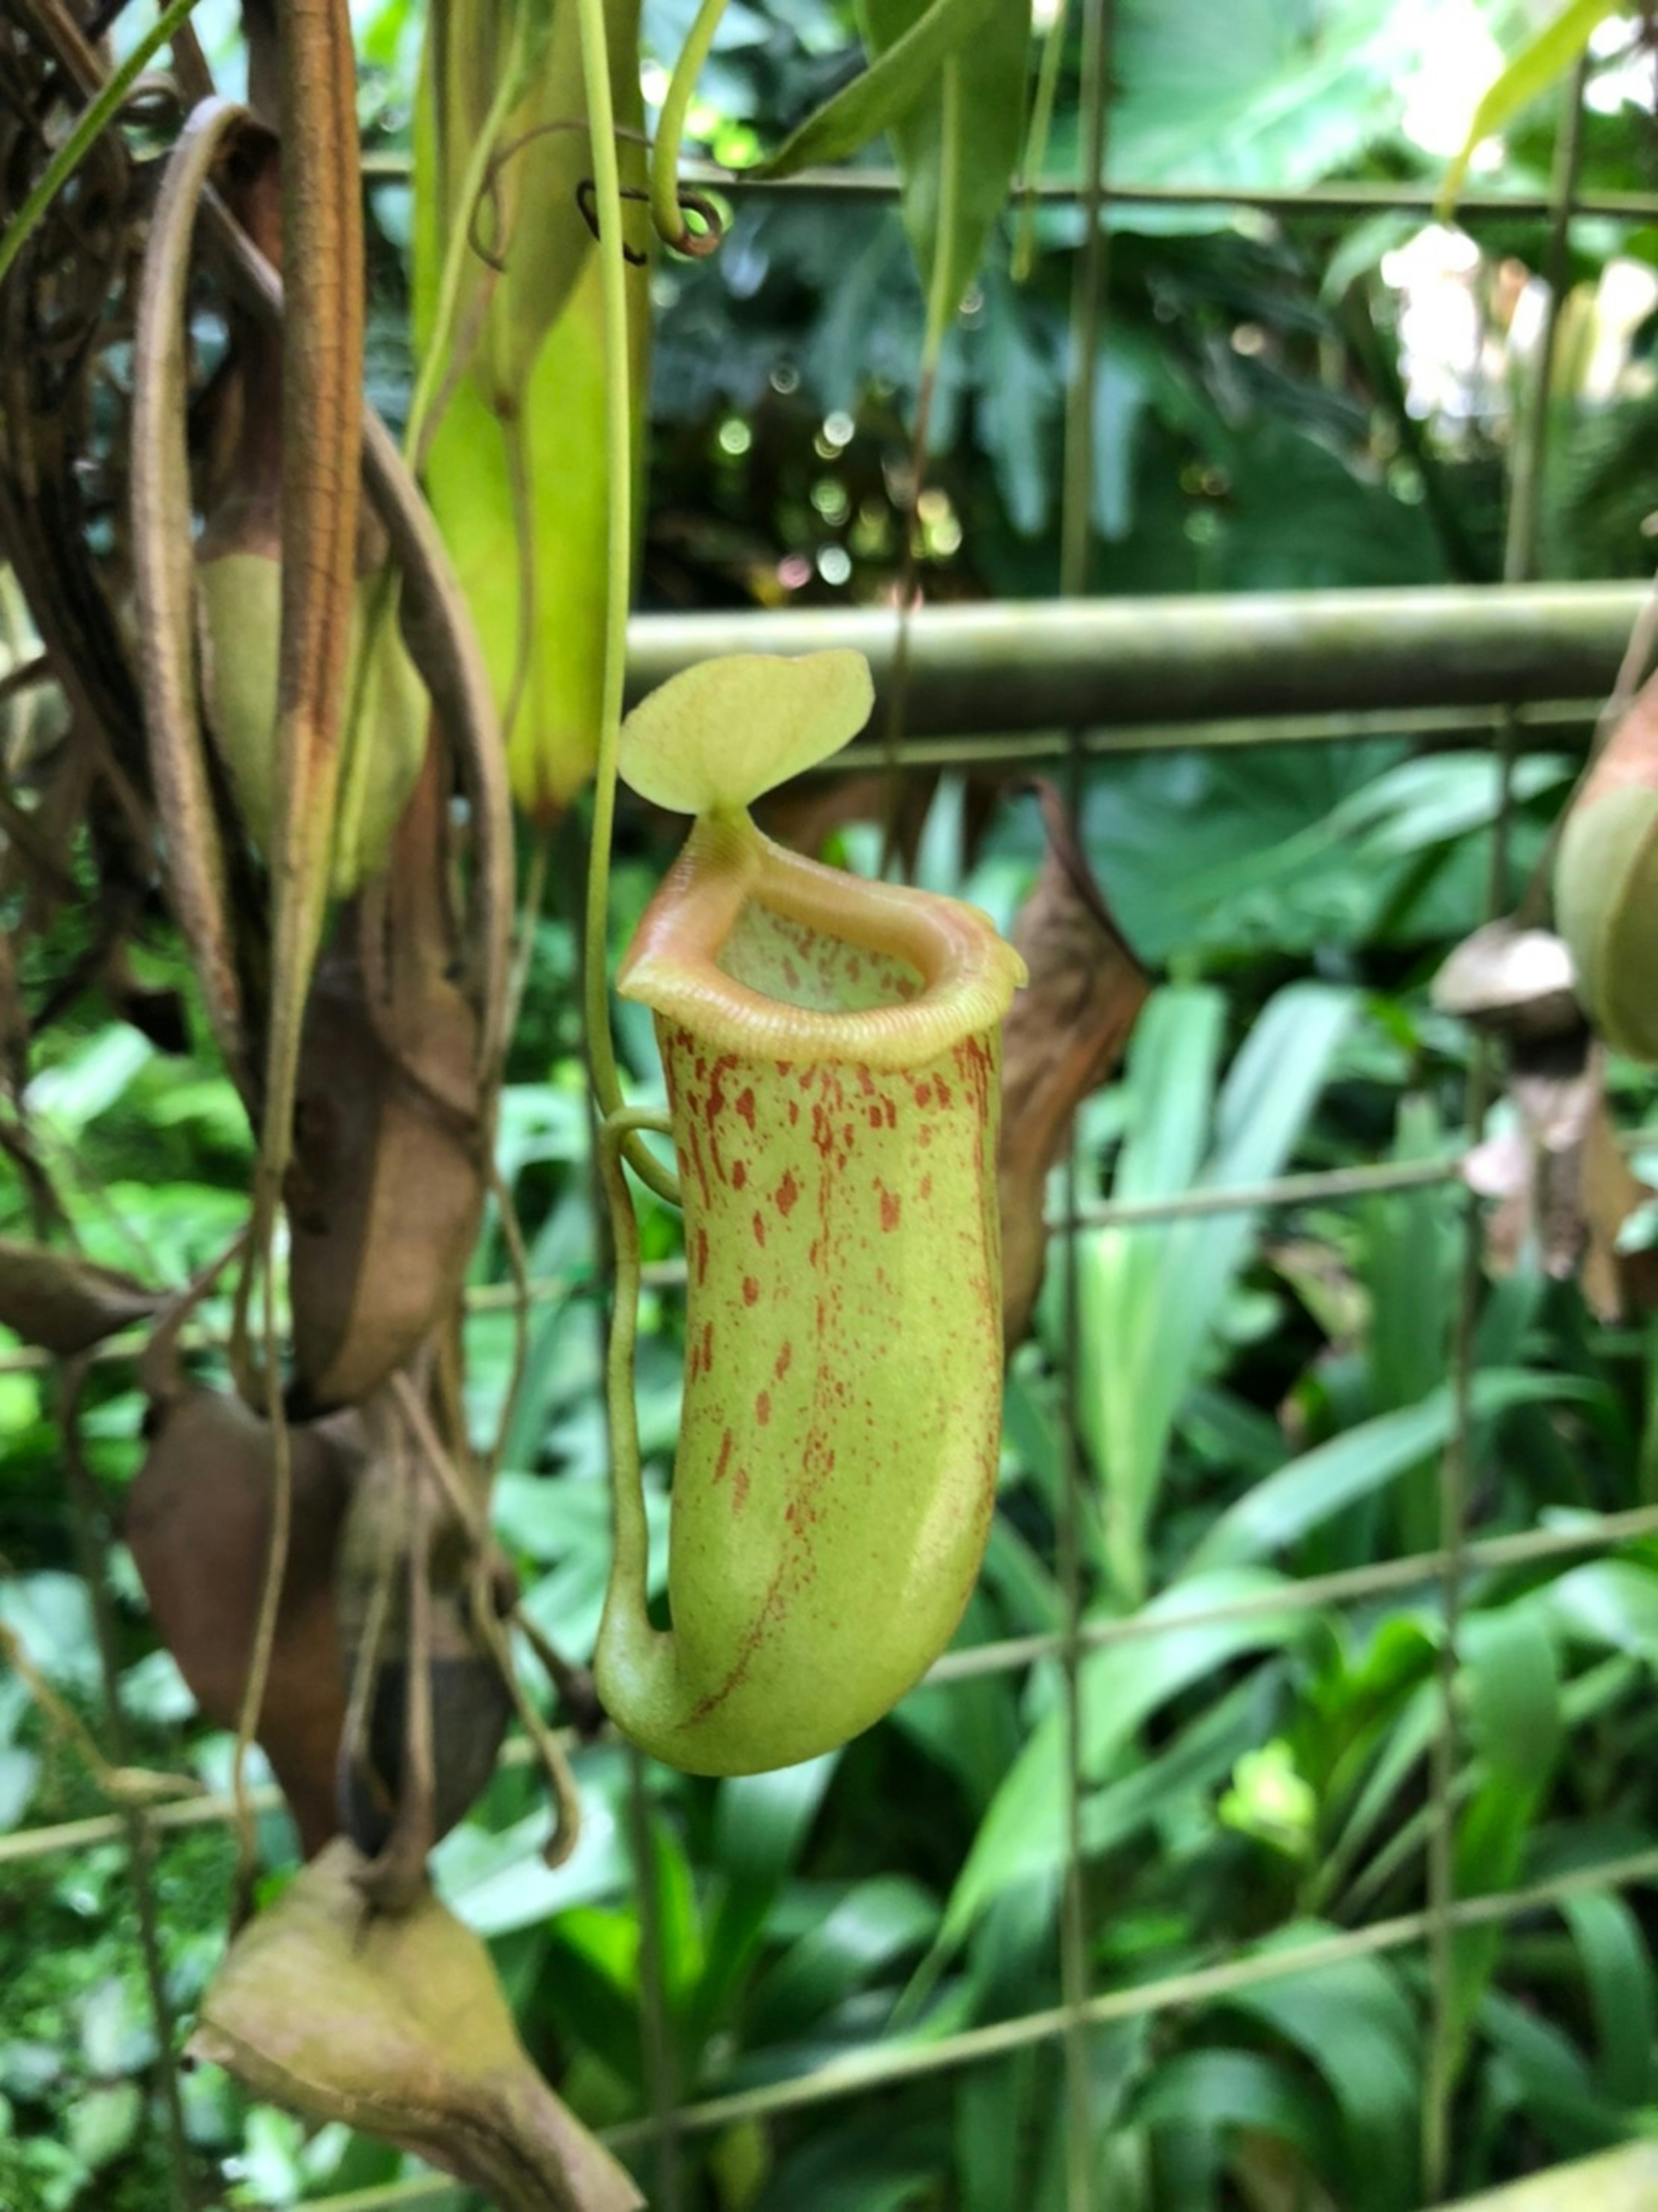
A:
(761, 1820)
(1618, 1975)
(1611, 1603)
(1333, 1476)
(1352, 2022)
(1510, 1680)
(1152, 1298)
(875, 1924)
(1541, 62)
(880, 95)
(958, 143)
(1212, 2088)
(1021, 1836)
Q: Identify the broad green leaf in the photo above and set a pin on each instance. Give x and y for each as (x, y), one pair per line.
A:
(992, 2106)
(1542, 61)
(880, 95)
(761, 1819)
(1331, 1477)
(879, 2163)
(958, 143)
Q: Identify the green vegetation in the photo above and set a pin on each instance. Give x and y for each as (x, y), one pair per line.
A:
(1259, 1398)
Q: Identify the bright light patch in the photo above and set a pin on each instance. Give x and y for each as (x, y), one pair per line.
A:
(1459, 63)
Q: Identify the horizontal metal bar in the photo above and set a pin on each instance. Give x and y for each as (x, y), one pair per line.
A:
(879, 2067)
(1331, 1184)
(1345, 1587)
(1348, 1586)
(881, 186)
(1028, 748)
(1008, 665)
(1283, 1190)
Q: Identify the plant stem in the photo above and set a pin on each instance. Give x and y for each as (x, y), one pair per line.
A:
(1035, 144)
(665, 210)
(618, 444)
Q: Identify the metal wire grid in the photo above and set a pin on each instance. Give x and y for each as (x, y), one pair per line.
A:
(145, 1830)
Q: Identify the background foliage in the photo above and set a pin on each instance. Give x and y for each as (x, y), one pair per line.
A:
(1284, 403)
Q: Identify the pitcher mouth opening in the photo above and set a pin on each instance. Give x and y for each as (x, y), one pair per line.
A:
(763, 952)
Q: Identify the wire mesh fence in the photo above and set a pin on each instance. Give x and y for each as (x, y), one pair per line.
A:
(1061, 690)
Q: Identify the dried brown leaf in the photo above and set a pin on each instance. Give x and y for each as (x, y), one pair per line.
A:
(1561, 1180)
(1066, 1032)
(387, 1188)
(197, 1521)
(396, 2025)
(64, 1304)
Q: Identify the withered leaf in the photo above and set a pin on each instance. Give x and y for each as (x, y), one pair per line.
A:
(396, 2024)
(197, 1521)
(1066, 1033)
(386, 1187)
(1561, 1180)
(64, 1304)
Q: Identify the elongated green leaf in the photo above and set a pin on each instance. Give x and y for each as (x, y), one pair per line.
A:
(761, 1824)
(1353, 2022)
(1191, 1766)
(1020, 1838)
(1613, 1602)
(992, 2106)
(957, 145)
(538, 604)
(1549, 2080)
(1333, 1476)
(1212, 2088)
(875, 98)
(1617, 1974)
(875, 1924)
(1542, 61)
(876, 2165)
(1511, 1680)
(1150, 1297)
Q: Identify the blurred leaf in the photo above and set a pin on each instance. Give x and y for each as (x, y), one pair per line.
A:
(1542, 61)
(1150, 1299)
(1617, 1974)
(1021, 1835)
(877, 1922)
(1331, 1477)
(957, 141)
(1353, 2023)
(1237, 2089)
(900, 72)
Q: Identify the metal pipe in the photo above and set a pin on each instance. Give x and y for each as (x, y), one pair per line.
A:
(1003, 665)
(881, 186)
